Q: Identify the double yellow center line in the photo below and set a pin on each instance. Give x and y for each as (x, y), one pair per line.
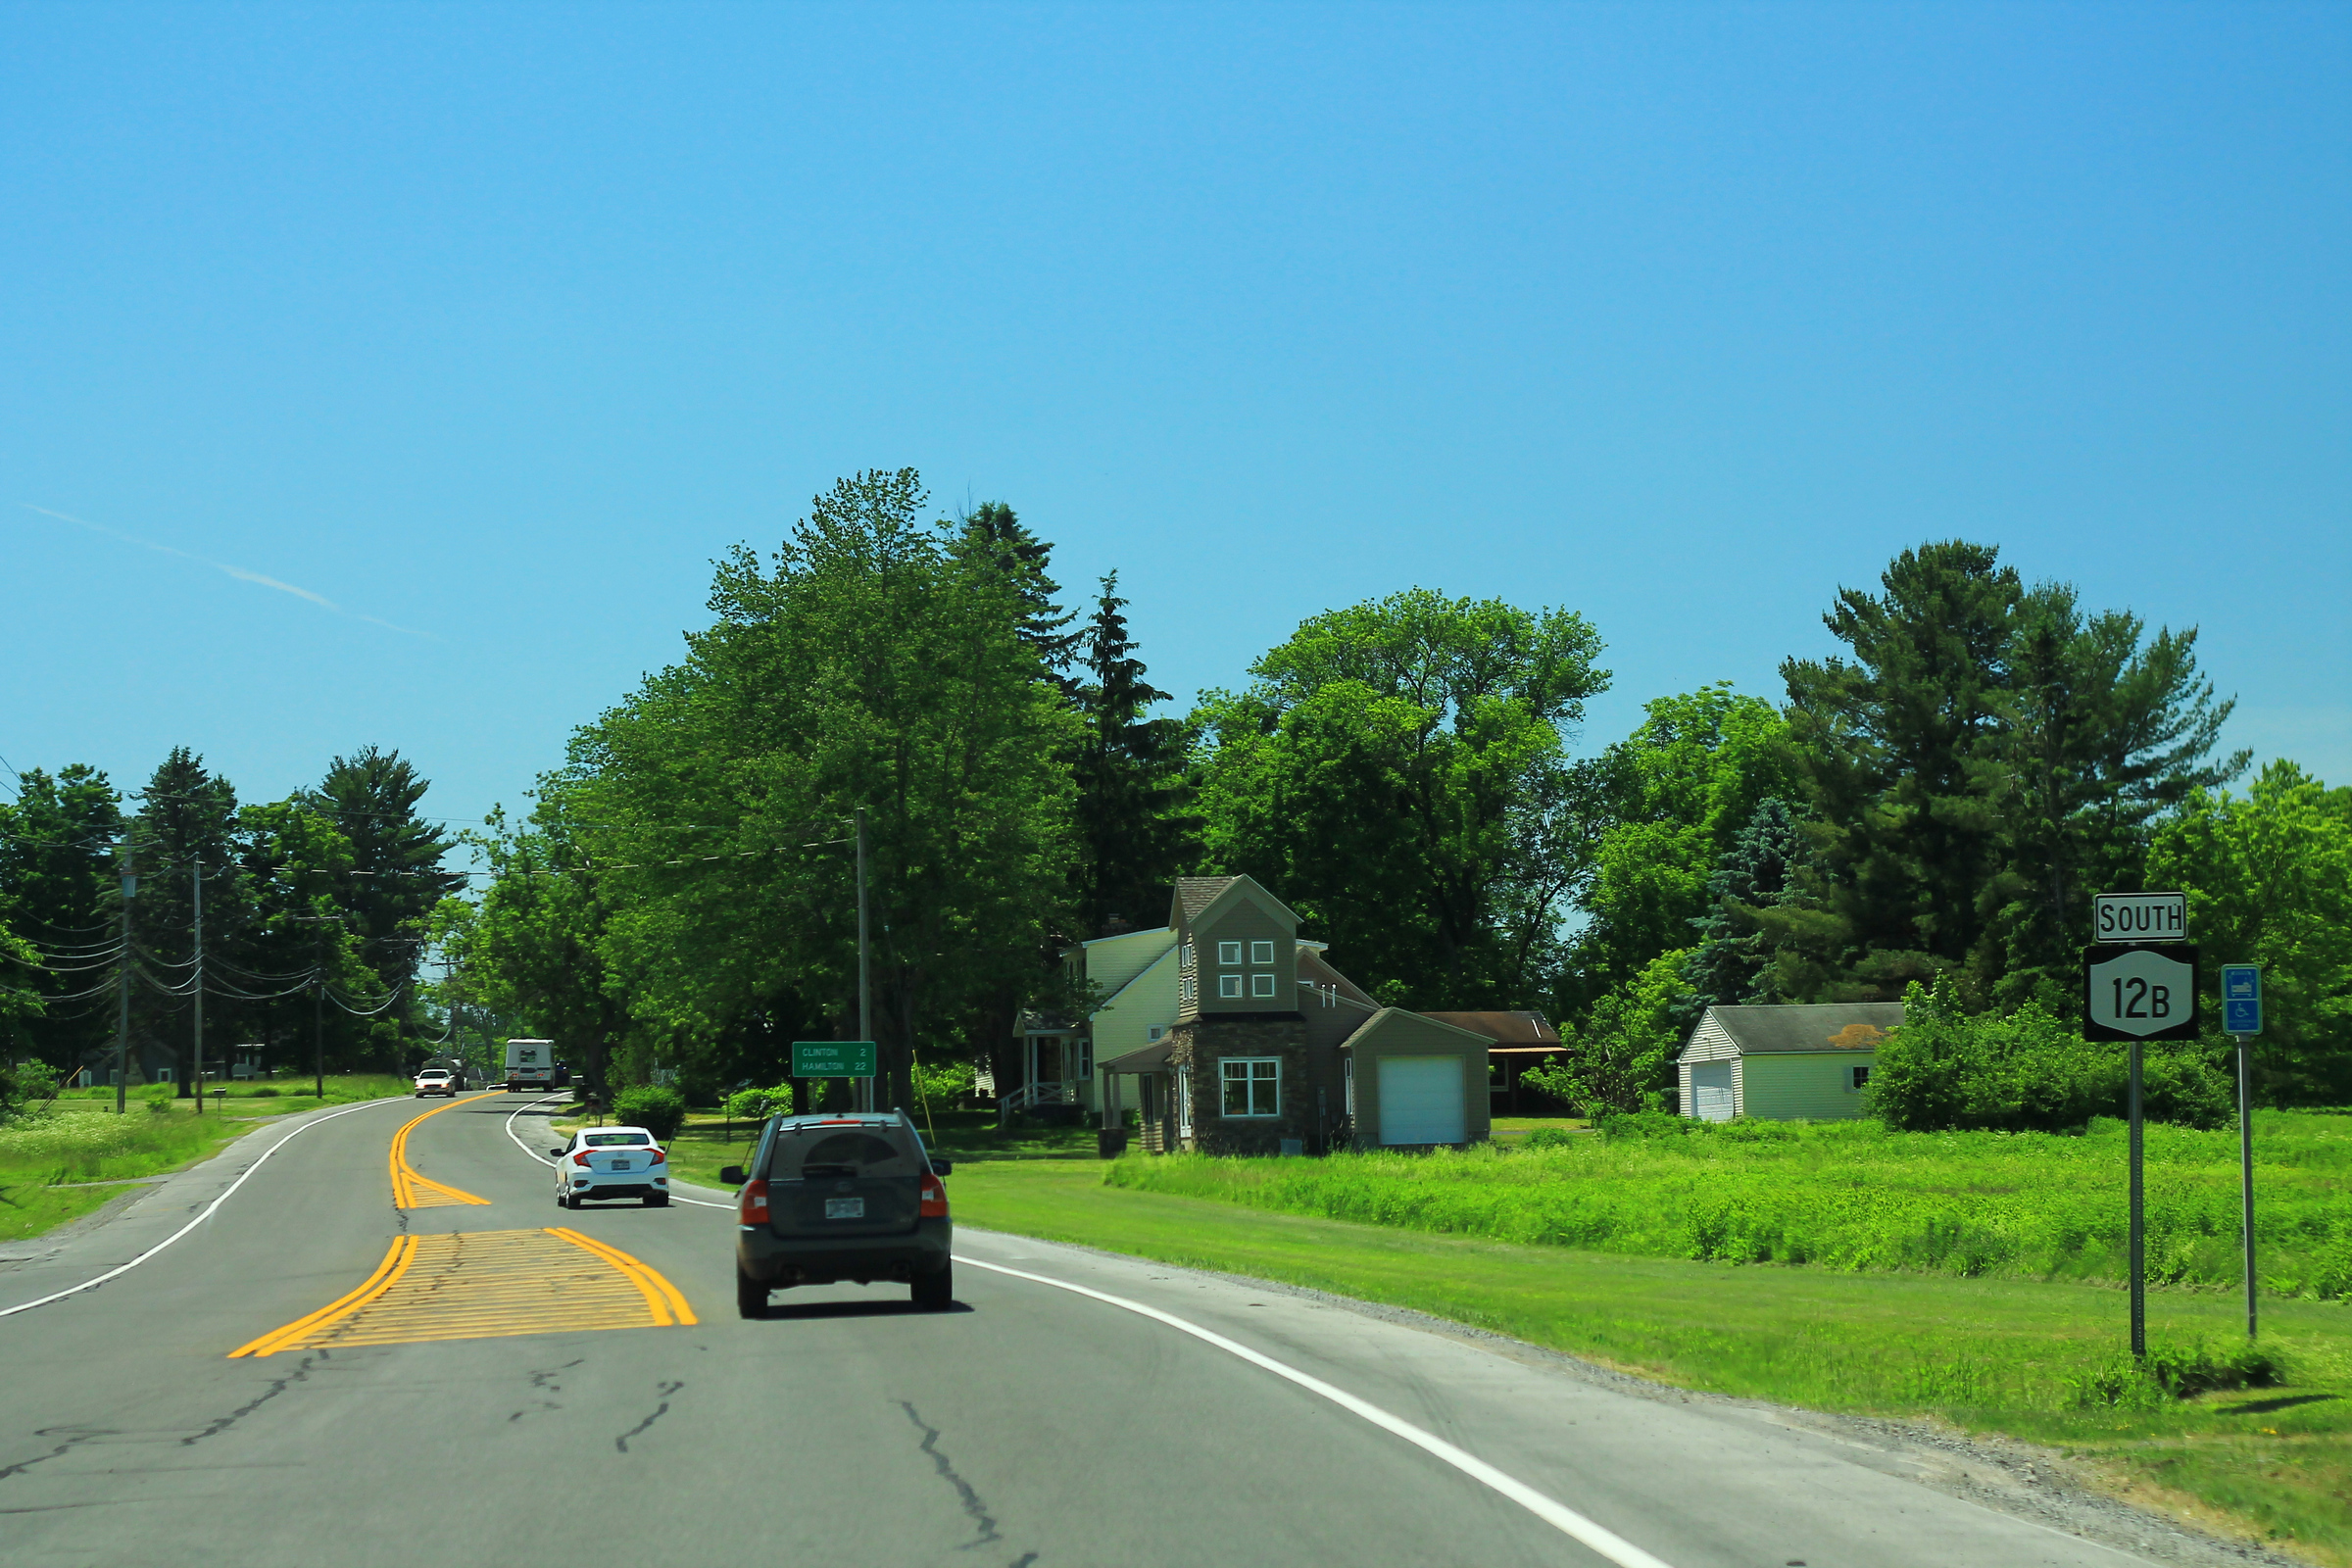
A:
(412, 1191)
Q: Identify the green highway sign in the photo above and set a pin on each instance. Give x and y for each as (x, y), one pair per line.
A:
(832, 1059)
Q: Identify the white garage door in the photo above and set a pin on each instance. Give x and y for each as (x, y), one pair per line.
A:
(1711, 1091)
(1420, 1099)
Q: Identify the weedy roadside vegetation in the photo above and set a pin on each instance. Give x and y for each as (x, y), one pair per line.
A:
(49, 1149)
(1849, 1195)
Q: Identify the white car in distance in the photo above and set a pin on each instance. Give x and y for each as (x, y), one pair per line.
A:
(436, 1081)
(603, 1162)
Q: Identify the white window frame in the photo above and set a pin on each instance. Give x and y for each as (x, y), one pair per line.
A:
(1252, 1079)
(1348, 1074)
(1261, 952)
(1262, 985)
(1184, 1102)
(1153, 1034)
(1229, 985)
(1229, 952)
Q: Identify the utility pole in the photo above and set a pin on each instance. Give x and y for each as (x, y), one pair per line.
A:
(130, 885)
(196, 895)
(866, 994)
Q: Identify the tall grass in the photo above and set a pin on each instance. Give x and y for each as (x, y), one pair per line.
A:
(1849, 1195)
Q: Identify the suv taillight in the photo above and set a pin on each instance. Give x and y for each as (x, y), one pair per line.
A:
(752, 1203)
(935, 1199)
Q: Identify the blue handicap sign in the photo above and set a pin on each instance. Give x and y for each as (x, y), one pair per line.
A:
(2241, 998)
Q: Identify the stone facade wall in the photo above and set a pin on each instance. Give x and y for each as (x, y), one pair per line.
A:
(1201, 1044)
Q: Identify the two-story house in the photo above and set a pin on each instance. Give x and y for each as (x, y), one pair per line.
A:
(1230, 1034)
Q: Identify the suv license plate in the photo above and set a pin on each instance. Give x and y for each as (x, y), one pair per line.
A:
(845, 1208)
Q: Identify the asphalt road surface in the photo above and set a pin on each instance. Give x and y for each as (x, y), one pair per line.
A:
(581, 1416)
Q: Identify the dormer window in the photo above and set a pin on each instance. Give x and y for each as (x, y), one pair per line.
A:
(1229, 985)
(1261, 952)
(1230, 952)
(1262, 985)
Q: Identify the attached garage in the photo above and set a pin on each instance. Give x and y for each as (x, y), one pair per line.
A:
(1413, 1082)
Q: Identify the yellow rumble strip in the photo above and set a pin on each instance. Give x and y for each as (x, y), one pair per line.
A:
(485, 1285)
(412, 1191)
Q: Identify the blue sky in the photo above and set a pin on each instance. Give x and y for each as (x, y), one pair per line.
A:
(487, 328)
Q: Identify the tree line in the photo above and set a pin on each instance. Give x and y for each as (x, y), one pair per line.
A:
(1934, 806)
(318, 912)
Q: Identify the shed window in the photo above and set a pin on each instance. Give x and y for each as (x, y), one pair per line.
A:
(1229, 952)
(1229, 985)
(1262, 985)
(1261, 952)
(1861, 1077)
(1253, 1085)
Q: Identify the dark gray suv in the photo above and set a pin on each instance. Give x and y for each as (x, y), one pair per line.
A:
(829, 1199)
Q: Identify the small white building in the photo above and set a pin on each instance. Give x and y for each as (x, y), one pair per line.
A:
(1807, 1061)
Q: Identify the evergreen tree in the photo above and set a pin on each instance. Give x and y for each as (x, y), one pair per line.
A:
(994, 534)
(187, 819)
(1902, 752)
(1132, 834)
(60, 894)
(1756, 875)
(394, 879)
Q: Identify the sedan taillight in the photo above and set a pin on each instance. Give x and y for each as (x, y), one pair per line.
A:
(581, 1158)
(752, 1203)
(935, 1199)
(660, 1157)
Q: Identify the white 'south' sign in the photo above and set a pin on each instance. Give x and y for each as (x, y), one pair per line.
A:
(2148, 993)
(2139, 917)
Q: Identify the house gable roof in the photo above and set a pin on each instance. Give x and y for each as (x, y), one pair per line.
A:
(1387, 1015)
(1822, 1026)
(1197, 898)
(1504, 1028)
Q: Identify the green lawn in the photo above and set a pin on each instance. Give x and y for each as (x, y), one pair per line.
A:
(1991, 1355)
(44, 1161)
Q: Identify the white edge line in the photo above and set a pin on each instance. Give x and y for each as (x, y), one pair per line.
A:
(125, 1268)
(1607, 1543)
(674, 1196)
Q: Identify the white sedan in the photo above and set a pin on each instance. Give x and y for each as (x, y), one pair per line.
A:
(436, 1081)
(603, 1162)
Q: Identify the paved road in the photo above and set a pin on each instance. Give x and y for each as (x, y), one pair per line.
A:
(1031, 1425)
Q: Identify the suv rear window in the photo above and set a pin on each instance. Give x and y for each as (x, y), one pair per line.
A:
(830, 1151)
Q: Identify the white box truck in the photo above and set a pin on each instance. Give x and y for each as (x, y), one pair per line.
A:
(530, 1064)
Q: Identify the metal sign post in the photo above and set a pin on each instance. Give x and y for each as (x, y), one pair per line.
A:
(2138, 991)
(2241, 1017)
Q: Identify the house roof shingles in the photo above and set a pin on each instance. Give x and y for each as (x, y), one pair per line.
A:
(1810, 1026)
(1197, 893)
(1504, 1028)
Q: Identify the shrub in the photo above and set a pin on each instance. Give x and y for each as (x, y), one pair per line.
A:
(945, 1085)
(2026, 1071)
(2168, 1372)
(1646, 1125)
(660, 1111)
(264, 1093)
(757, 1104)
(1548, 1138)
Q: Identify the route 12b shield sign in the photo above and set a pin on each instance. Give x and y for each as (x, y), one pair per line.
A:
(2143, 992)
